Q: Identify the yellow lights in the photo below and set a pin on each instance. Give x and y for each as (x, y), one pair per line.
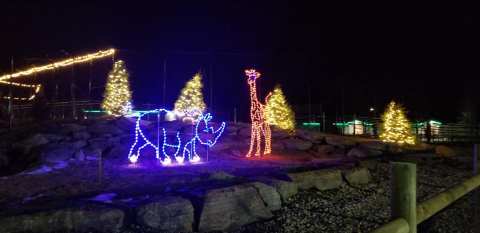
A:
(259, 124)
(117, 95)
(278, 112)
(396, 128)
(67, 62)
(190, 102)
(7, 78)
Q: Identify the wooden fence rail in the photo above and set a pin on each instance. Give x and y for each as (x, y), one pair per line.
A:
(406, 215)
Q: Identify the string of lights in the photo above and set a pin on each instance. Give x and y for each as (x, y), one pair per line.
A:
(166, 159)
(7, 78)
(257, 115)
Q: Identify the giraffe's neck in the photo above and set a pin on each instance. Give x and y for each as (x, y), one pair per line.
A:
(253, 93)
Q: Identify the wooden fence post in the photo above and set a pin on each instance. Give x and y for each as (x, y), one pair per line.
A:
(404, 193)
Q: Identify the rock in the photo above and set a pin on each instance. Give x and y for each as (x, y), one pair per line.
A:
(232, 130)
(117, 151)
(269, 195)
(226, 209)
(79, 144)
(339, 141)
(296, 144)
(245, 132)
(53, 137)
(219, 146)
(79, 155)
(26, 145)
(286, 189)
(370, 164)
(445, 151)
(101, 219)
(173, 214)
(277, 146)
(325, 149)
(357, 176)
(102, 129)
(82, 135)
(319, 179)
(359, 152)
(57, 153)
(98, 144)
(220, 175)
(4, 161)
(279, 134)
(313, 136)
(374, 145)
(71, 128)
(93, 154)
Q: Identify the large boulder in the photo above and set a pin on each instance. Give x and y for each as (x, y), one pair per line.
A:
(173, 214)
(360, 152)
(79, 144)
(71, 128)
(445, 151)
(374, 145)
(220, 175)
(314, 136)
(104, 129)
(245, 132)
(4, 161)
(98, 144)
(339, 141)
(269, 195)
(325, 149)
(226, 209)
(81, 135)
(357, 176)
(319, 179)
(286, 189)
(279, 134)
(297, 144)
(27, 144)
(57, 153)
(101, 219)
(117, 151)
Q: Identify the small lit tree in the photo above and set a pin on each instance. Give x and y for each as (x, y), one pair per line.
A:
(117, 94)
(395, 127)
(278, 112)
(190, 102)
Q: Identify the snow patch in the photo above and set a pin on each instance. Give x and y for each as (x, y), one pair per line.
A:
(104, 197)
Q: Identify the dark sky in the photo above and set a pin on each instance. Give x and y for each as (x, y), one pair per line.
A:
(346, 56)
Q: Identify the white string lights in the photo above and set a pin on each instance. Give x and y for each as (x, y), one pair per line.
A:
(7, 78)
(189, 149)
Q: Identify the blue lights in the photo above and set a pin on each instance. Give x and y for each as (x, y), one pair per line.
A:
(205, 135)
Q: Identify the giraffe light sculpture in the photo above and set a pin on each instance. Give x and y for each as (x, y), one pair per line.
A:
(259, 125)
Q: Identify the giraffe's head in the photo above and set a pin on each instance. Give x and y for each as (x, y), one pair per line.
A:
(252, 75)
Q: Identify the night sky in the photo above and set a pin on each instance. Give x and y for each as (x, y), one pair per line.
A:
(345, 57)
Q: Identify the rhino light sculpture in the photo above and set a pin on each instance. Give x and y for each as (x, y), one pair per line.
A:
(203, 134)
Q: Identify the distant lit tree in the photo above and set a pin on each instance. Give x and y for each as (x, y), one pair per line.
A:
(117, 96)
(278, 112)
(190, 102)
(395, 127)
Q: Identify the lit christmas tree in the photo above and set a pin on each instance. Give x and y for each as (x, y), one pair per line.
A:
(396, 128)
(278, 112)
(117, 95)
(190, 102)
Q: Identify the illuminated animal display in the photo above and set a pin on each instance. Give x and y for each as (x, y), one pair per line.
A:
(257, 114)
(203, 134)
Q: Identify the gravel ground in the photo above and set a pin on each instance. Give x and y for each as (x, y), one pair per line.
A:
(352, 209)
